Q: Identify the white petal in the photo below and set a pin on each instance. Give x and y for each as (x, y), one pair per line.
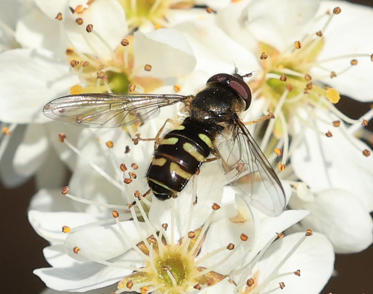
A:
(341, 217)
(56, 256)
(170, 57)
(52, 7)
(339, 164)
(109, 28)
(355, 24)
(223, 287)
(314, 258)
(50, 200)
(105, 290)
(28, 79)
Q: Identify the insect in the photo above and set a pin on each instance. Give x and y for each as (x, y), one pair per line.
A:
(213, 113)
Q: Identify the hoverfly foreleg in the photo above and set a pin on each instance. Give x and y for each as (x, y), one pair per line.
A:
(261, 119)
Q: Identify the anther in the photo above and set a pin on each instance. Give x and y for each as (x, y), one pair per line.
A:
(129, 284)
(329, 134)
(109, 144)
(333, 74)
(308, 232)
(250, 282)
(59, 16)
(74, 63)
(127, 149)
(66, 229)
(61, 137)
(127, 181)
(336, 123)
(308, 77)
(147, 67)
(297, 44)
(132, 175)
(137, 194)
(191, 234)
(165, 226)
(79, 21)
(283, 77)
(158, 26)
(124, 42)
(89, 28)
(337, 10)
(280, 235)
(115, 213)
(69, 51)
(364, 123)
(215, 206)
(123, 167)
(85, 63)
(144, 290)
(65, 190)
(134, 166)
(333, 95)
(79, 9)
(277, 151)
(210, 10)
(309, 86)
(6, 131)
(353, 61)
(244, 237)
(100, 75)
(371, 57)
(263, 56)
(366, 152)
(230, 246)
(131, 204)
(197, 286)
(177, 88)
(131, 87)
(281, 166)
(319, 34)
(282, 285)
(297, 273)
(76, 250)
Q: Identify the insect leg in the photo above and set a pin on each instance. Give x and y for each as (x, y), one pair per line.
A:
(263, 118)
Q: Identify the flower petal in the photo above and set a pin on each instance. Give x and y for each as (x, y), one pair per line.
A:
(28, 79)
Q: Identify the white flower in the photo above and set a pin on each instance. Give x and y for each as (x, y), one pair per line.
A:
(298, 54)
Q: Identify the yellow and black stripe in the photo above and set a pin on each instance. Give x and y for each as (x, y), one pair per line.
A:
(179, 156)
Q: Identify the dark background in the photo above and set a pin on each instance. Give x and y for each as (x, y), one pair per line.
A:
(21, 247)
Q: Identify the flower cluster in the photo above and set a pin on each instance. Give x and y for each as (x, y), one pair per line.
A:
(106, 229)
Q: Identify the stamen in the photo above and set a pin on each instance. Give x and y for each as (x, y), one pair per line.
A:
(94, 203)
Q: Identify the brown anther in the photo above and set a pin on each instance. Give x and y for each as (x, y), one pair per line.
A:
(135, 141)
(297, 273)
(282, 285)
(144, 290)
(85, 63)
(215, 206)
(69, 51)
(89, 28)
(115, 213)
(66, 229)
(165, 226)
(263, 56)
(124, 42)
(127, 149)
(337, 10)
(366, 152)
(65, 190)
(76, 250)
(198, 171)
(147, 67)
(59, 16)
(129, 284)
(244, 237)
(319, 33)
(79, 21)
(137, 194)
(289, 87)
(134, 166)
(152, 240)
(281, 166)
(74, 63)
(353, 61)
(5, 131)
(333, 74)
(250, 282)
(308, 232)
(197, 286)
(191, 234)
(309, 86)
(132, 175)
(283, 77)
(158, 26)
(329, 134)
(177, 88)
(131, 87)
(109, 144)
(79, 9)
(280, 235)
(101, 75)
(364, 123)
(230, 246)
(123, 167)
(371, 57)
(336, 123)
(308, 77)
(210, 10)
(297, 45)
(127, 180)
(277, 151)
(71, 9)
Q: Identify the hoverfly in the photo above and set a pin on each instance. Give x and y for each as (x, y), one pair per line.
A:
(213, 111)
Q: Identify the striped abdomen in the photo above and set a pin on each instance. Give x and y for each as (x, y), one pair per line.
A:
(178, 157)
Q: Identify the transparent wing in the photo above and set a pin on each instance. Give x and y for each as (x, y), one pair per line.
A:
(252, 173)
(108, 110)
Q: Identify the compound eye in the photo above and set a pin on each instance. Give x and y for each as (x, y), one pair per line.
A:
(242, 89)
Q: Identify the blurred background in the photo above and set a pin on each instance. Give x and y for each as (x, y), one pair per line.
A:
(21, 247)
